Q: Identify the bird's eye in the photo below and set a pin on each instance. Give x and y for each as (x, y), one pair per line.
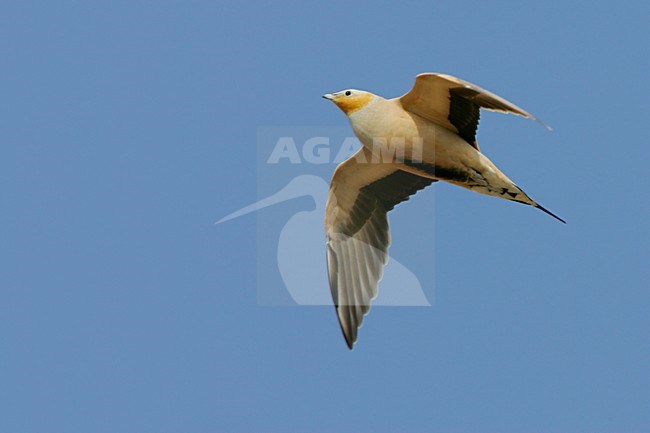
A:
(348, 93)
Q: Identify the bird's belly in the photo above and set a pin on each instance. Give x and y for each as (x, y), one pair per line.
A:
(441, 154)
(397, 141)
(406, 138)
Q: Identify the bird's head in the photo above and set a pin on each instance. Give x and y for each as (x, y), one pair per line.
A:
(350, 100)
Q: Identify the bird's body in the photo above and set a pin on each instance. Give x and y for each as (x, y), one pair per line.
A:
(427, 149)
(408, 143)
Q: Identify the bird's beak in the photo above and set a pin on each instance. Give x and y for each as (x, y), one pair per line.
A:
(328, 96)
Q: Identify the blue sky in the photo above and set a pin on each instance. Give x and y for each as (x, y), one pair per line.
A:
(129, 128)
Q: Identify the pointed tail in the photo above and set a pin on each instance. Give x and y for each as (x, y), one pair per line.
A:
(543, 209)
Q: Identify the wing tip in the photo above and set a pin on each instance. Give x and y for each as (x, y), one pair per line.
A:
(349, 343)
(350, 339)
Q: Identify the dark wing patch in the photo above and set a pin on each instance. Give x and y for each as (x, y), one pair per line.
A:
(440, 172)
(464, 113)
(383, 195)
(396, 188)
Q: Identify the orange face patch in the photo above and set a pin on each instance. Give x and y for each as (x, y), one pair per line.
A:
(350, 104)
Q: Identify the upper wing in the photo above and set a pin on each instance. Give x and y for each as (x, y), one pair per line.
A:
(455, 103)
(361, 194)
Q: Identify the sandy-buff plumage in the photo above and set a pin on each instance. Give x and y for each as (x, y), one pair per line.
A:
(409, 142)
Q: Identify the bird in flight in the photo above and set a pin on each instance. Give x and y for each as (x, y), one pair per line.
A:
(426, 135)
